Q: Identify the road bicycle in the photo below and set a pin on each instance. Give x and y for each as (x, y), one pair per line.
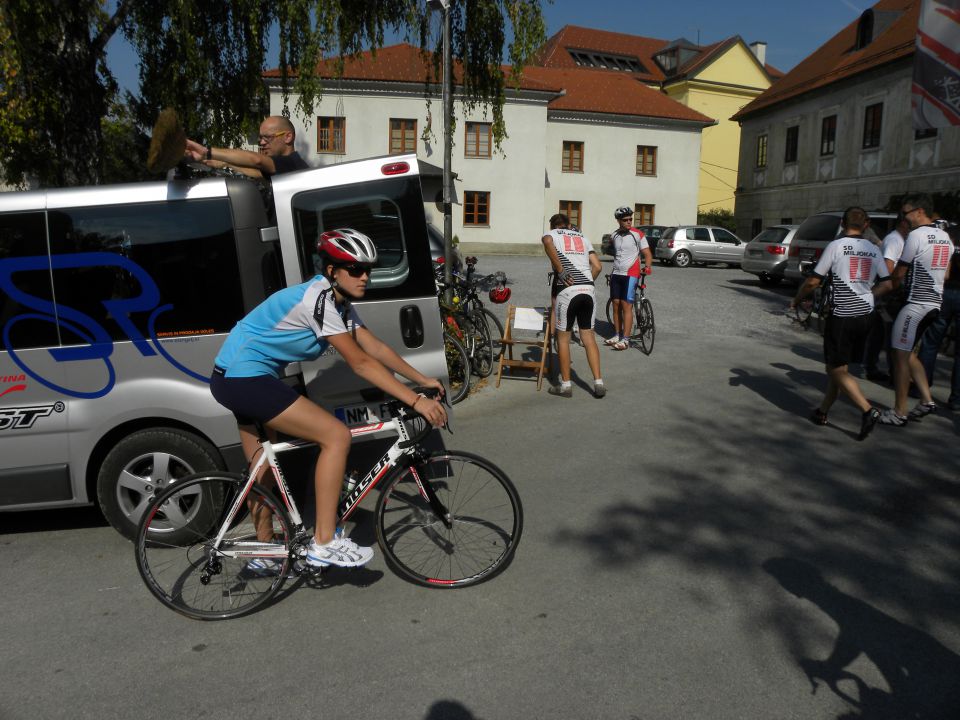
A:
(444, 519)
(813, 310)
(645, 328)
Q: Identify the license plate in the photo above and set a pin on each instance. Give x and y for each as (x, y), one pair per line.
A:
(361, 414)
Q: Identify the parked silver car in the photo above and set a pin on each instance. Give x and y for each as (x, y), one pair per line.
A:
(766, 255)
(687, 244)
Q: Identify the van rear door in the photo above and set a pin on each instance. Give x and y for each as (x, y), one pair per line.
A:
(381, 198)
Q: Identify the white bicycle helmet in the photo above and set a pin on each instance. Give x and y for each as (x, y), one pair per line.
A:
(623, 212)
(346, 245)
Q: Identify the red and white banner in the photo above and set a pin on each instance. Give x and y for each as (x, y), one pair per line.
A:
(936, 66)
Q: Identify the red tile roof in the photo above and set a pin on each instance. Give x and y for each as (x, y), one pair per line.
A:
(576, 89)
(610, 92)
(571, 37)
(837, 60)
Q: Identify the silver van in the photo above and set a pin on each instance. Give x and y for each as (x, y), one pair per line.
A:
(817, 231)
(114, 301)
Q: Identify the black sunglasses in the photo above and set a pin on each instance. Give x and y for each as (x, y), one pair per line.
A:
(357, 270)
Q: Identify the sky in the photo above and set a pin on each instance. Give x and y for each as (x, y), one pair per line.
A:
(792, 30)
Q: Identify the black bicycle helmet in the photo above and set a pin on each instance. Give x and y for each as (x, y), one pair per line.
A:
(623, 212)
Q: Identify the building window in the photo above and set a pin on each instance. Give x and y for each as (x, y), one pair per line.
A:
(646, 160)
(643, 214)
(872, 119)
(403, 135)
(828, 135)
(476, 207)
(793, 142)
(924, 134)
(761, 151)
(331, 134)
(478, 140)
(572, 156)
(571, 208)
(756, 227)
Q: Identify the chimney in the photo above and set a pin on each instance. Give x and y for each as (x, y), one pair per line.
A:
(759, 48)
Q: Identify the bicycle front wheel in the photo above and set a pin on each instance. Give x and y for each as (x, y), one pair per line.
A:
(458, 368)
(646, 329)
(481, 356)
(184, 567)
(449, 520)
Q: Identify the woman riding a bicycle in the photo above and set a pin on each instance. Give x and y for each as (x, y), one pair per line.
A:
(297, 324)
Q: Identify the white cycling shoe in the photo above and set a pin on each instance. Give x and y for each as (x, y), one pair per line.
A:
(341, 551)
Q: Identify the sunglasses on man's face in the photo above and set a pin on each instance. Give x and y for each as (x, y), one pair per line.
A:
(357, 271)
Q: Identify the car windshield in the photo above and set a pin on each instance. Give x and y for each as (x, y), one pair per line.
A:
(819, 227)
(772, 236)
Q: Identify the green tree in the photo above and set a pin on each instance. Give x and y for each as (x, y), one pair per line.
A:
(719, 217)
(205, 58)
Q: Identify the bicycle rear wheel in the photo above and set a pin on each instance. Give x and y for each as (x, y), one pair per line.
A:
(458, 368)
(449, 520)
(481, 356)
(646, 328)
(186, 573)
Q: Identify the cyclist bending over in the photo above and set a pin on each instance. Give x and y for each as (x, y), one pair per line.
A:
(295, 324)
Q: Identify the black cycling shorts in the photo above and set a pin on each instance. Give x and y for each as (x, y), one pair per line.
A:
(252, 399)
(844, 339)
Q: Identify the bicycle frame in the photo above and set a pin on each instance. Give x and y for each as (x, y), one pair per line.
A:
(403, 446)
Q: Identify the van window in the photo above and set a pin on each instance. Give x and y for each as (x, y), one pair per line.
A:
(819, 227)
(390, 212)
(120, 263)
(24, 271)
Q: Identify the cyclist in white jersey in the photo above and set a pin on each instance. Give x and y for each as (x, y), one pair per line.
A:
(924, 265)
(629, 247)
(857, 275)
(295, 324)
(576, 266)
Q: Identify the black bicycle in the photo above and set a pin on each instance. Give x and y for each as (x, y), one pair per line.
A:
(645, 328)
(444, 519)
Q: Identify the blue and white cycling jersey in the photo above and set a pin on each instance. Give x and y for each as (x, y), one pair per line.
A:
(291, 325)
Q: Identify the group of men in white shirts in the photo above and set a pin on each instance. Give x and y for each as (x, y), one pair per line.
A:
(859, 272)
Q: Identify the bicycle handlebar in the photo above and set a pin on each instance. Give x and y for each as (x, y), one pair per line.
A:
(409, 413)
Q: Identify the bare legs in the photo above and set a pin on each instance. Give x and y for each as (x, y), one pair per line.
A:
(906, 367)
(589, 339)
(839, 379)
(622, 317)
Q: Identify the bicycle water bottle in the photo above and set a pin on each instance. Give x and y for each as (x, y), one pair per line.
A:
(350, 480)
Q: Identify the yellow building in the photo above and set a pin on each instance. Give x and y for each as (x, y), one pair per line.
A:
(715, 80)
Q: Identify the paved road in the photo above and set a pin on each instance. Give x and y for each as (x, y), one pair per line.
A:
(693, 548)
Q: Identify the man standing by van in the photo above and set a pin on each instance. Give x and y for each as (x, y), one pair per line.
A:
(853, 263)
(277, 153)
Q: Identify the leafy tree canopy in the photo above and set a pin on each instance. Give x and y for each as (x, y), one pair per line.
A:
(719, 217)
(59, 117)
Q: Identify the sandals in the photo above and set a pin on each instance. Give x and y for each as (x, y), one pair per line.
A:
(620, 345)
(922, 410)
(611, 340)
(818, 417)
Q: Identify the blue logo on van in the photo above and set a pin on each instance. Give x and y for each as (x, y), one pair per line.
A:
(99, 344)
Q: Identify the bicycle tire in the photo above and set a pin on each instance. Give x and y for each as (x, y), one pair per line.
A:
(496, 333)
(646, 326)
(458, 368)
(185, 575)
(481, 357)
(610, 311)
(486, 521)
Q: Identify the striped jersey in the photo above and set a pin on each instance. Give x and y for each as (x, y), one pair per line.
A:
(574, 250)
(851, 265)
(627, 245)
(291, 325)
(926, 251)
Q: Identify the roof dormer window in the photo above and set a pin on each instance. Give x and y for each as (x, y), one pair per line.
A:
(606, 61)
(864, 30)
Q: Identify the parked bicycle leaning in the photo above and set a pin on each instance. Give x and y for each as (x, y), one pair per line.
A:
(297, 324)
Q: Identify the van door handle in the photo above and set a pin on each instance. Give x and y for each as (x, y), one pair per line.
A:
(411, 326)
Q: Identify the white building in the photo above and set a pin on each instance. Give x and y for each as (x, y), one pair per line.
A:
(581, 142)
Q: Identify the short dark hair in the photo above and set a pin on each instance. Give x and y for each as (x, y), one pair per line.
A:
(919, 200)
(855, 218)
(558, 220)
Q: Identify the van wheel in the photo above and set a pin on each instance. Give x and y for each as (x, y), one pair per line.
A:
(143, 464)
(682, 259)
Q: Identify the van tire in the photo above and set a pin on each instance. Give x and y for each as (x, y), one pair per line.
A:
(125, 482)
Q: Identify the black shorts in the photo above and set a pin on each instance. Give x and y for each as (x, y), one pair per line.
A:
(252, 399)
(844, 339)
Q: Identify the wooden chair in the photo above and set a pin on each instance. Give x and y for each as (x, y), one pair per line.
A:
(527, 327)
